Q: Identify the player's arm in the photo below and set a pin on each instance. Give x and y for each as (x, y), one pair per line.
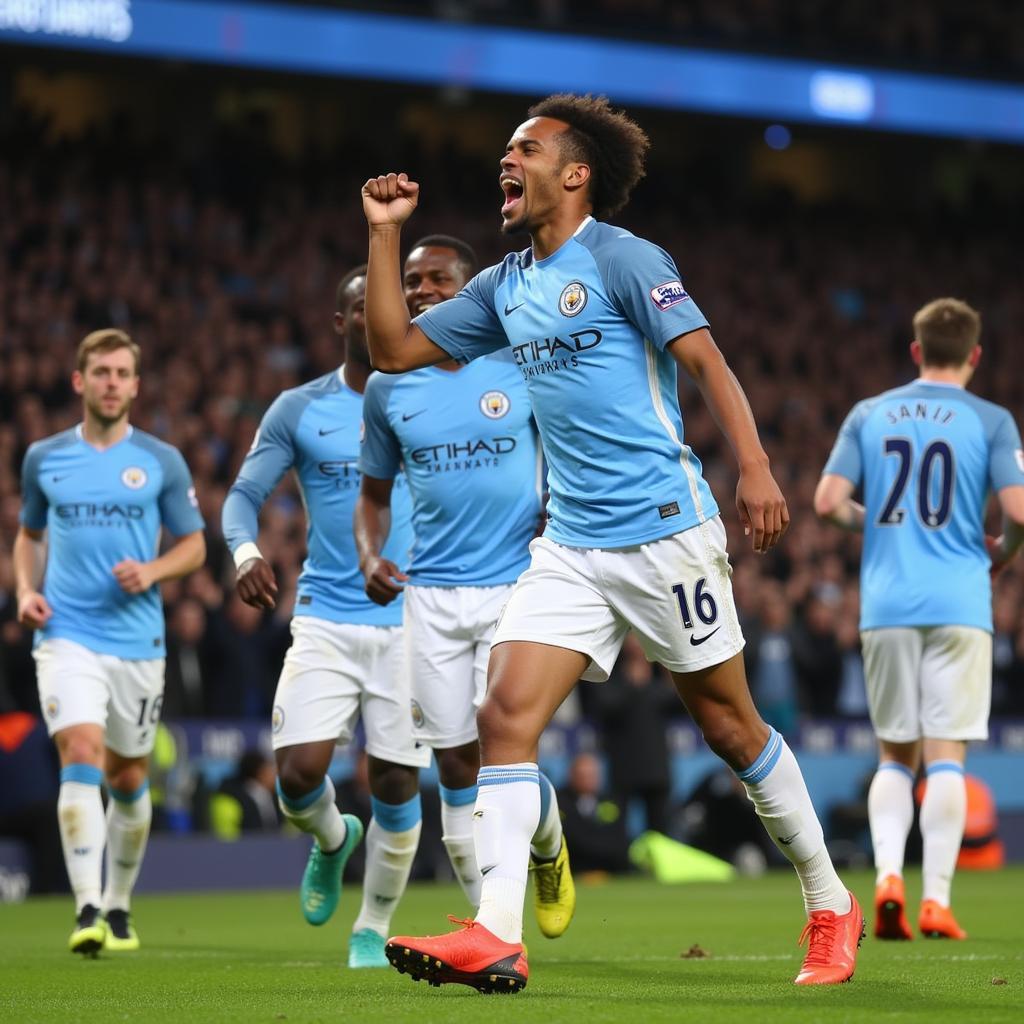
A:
(760, 503)
(184, 556)
(395, 344)
(271, 456)
(29, 558)
(372, 523)
(1004, 548)
(833, 502)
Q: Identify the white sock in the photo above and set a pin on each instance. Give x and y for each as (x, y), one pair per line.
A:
(943, 814)
(316, 814)
(506, 815)
(547, 840)
(777, 789)
(83, 831)
(128, 819)
(457, 836)
(391, 842)
(891, 814)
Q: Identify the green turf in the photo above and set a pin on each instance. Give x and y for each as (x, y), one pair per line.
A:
(250, 957)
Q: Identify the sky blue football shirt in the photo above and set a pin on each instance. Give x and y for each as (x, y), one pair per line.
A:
(99, 508)
(467, 441)
(927, 454)
(315, 429)
(588, 327)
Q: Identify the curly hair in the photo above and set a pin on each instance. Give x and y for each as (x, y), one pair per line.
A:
(611, 144)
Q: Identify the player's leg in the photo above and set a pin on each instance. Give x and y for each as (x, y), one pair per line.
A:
(129, 816)
(457, 770)
(448, 677)
(956, 693)
(892, 672)
(556, 627)
(315, 708)
(677, 595)
(136, 697)
(392, 839)
(394, 762)
(73, 696)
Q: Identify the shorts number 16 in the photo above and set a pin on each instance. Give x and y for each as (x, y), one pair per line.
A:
(703, 603)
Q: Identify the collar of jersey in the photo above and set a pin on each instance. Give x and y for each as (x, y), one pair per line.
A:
(81, 437)
(548, 260)
(940, 384)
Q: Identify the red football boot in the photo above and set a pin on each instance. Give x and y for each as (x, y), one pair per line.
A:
(832, 946)
(938, 922)
(890, 917)
(471, 956)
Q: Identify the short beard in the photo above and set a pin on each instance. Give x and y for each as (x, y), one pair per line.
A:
(106, 421)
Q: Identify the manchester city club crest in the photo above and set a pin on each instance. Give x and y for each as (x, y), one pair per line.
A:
(277, 719)
(494, 404)
(52, 707)
(417, 714)
(134, 477)
(573, 299)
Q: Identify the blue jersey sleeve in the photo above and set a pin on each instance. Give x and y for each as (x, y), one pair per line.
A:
(845, 459)
(380, 454)
(33, 501)
(467, 325)
(179, 509)
(643, 280)
(1006, 456)
(271, 456)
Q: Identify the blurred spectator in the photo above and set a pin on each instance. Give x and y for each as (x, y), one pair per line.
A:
(594, 824)
(632, 708)
(246, 800)
(816, 652)
(771, 667)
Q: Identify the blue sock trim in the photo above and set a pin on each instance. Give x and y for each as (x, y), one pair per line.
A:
(458, 797)
(895, 766)
(764, 762)
(124, 796)
(87, 774)
(547, 796)
(944, 766)
(397, 817)
(302, 802)
(503, 775)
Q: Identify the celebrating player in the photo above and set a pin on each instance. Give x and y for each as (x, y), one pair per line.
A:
(466, 438)
(346, 653)
(927, 455)
(598, 323)
(94, 499)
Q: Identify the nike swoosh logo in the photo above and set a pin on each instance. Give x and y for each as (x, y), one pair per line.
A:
(509, 310)
(490, 867)
(57, 479)
(333, 430)
(406, 416)
(698, 640)
(786, 840)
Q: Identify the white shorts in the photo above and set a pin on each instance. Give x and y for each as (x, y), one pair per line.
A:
(933, 681)
(448, 634)
(334, 671)
(78, 686)
(674, 593)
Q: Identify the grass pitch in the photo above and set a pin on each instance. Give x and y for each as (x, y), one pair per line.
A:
(250, 957)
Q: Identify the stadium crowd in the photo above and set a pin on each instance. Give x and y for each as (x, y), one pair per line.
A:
(222, 264)
(985, 37)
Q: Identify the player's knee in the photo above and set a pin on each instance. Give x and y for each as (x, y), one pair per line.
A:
(298, 776)
(731, 738)
(393, 783)
(128, 778)
(77, 748)
(458, 767)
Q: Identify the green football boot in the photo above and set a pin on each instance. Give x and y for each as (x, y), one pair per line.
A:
(89, 933)
(121, 936)
(321, 881)
(366, 949)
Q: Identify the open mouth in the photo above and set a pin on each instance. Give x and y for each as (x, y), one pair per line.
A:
(513, 189)
(422, 307)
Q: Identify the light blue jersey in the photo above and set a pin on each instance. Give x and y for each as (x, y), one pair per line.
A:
(98, 508)
(469, 449)
(927, 454)
(588, 327)
(315, 430)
